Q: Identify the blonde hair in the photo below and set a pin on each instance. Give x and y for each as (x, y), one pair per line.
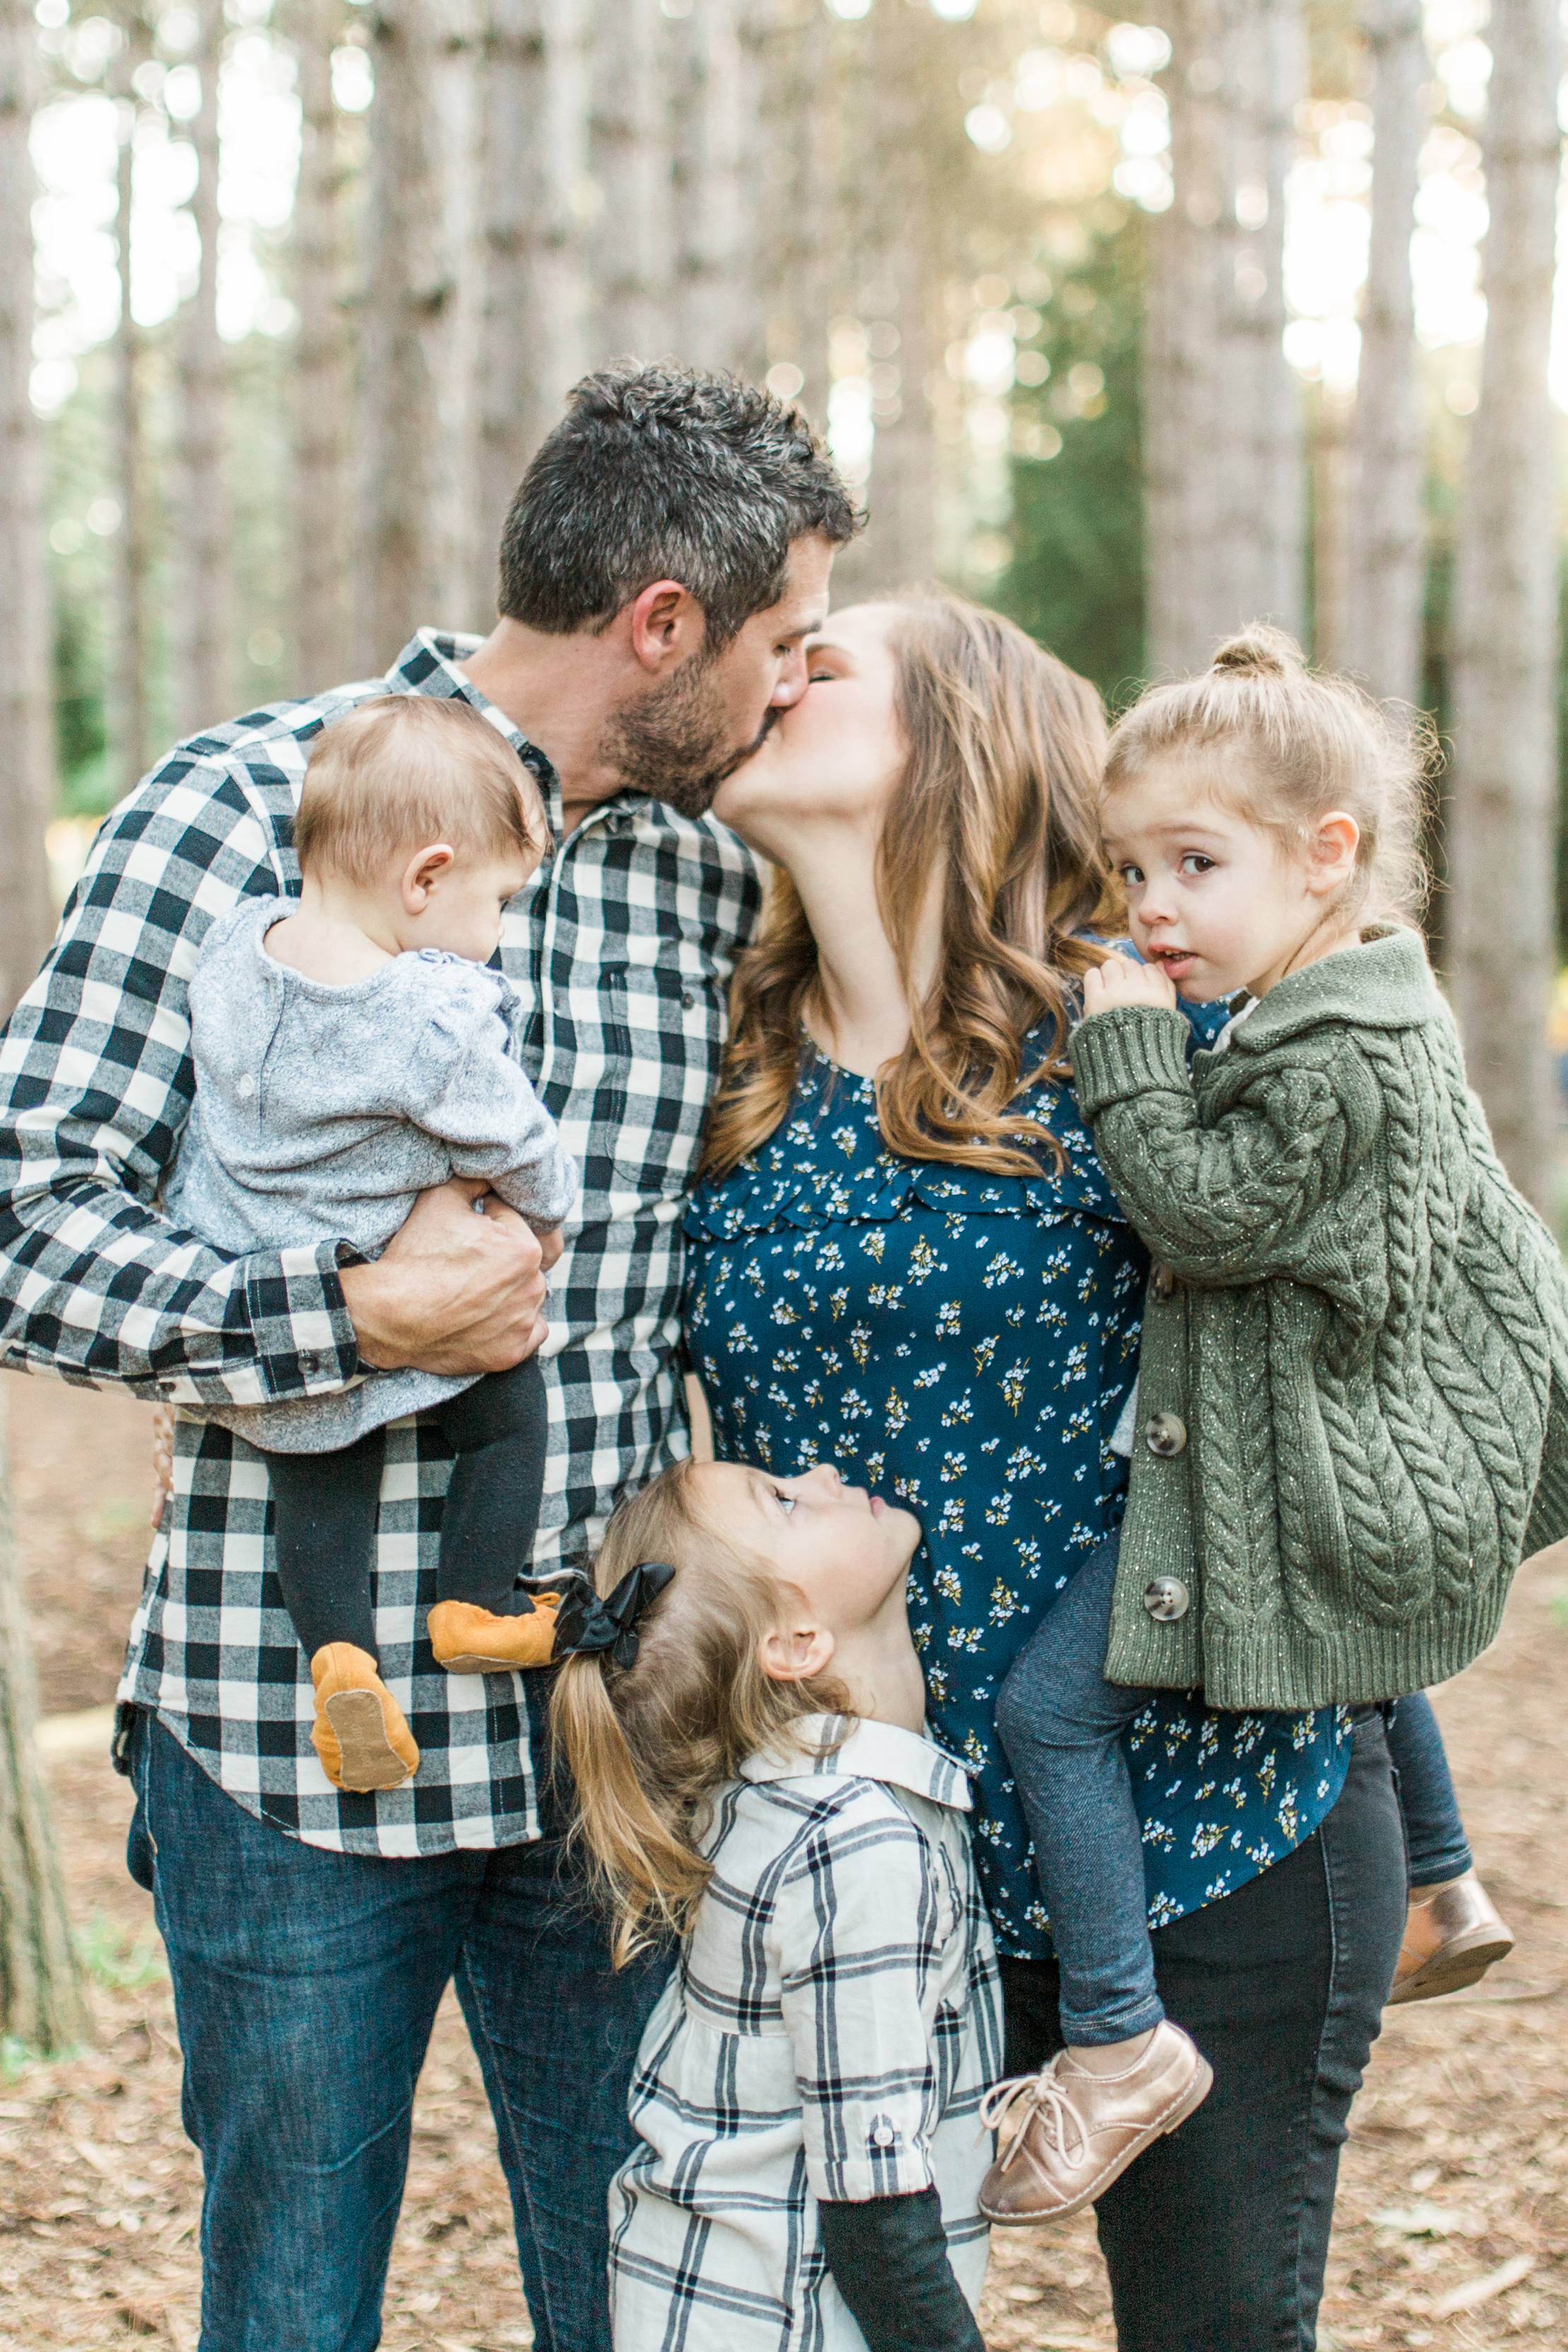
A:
(1292, 744)
(408, 768)
(648, 1745)
(1005, 751)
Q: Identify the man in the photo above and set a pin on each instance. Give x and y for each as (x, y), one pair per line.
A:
(664, 561)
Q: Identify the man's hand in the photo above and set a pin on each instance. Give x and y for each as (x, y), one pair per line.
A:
(1120, 980)
(452, 1292)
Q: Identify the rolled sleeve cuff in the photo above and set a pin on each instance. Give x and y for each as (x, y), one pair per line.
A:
(1133, 1049)
(305, 1339)
(874, 2153)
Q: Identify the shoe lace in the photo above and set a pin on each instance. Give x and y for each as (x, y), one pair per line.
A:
(1013, 2106)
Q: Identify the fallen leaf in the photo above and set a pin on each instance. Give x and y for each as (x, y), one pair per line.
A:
(1423, 2221)
(102, 2160)
(142, 2318)
(1477, 2291)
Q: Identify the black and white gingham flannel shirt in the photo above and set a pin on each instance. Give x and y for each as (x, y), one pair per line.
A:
(625, 941)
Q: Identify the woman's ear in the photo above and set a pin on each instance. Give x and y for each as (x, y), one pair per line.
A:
(793, 1653)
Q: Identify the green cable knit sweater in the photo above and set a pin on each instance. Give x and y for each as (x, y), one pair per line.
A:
(1352, 1403)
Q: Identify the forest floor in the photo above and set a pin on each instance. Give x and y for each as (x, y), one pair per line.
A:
(1453, 2214)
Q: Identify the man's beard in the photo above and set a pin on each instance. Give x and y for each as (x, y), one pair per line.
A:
(667, 743)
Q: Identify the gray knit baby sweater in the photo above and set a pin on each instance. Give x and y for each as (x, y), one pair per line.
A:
(1353, 1384)
(321, 1114)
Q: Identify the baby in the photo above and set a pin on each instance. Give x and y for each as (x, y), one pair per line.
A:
(352, 1049)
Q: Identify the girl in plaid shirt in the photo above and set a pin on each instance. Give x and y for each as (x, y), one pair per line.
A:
(744, 1717)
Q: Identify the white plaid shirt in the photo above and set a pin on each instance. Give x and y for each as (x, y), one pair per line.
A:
(624, 943)
(830, 2030)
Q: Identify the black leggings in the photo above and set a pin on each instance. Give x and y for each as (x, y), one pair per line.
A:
(1216, 2239)
(324, 1508)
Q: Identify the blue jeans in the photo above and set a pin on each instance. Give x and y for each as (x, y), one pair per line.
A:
(1216, 2237)
(1433, 1832)
(1062, 1723)
(306, 1984)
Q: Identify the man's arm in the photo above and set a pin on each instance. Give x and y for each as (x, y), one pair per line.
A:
(96, 1086)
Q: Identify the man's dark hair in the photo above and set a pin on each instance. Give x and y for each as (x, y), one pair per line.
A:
(659, 473)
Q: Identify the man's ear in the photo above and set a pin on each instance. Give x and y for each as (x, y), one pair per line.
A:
(667, 625)
(423, 870)
(793, 1653)
(1335, 840)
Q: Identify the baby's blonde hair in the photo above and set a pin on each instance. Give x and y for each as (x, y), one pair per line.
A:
(649, 1744)
(1288, 744)
(409, 769)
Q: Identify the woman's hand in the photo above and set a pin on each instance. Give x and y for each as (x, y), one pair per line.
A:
(162, 1460)
(1120, 980)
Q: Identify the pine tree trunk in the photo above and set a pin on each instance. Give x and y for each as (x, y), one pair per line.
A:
(26, 776)
(406, 293)
(320, 386)
(201, 552)
(717, 315)
(130, 744)
(1223, 433)
(462, 555)
(533, 199)
(1388, 566)
(41, 1999)
(1181, 331)
(630, 160)
(1504, 668)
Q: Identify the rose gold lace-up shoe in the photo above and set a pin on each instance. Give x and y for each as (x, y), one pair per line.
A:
(1065, 2134)
(1452, 1935)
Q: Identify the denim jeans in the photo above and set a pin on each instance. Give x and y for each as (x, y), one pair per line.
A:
(1062, 1723)
(1433, 1832)
(306, 1984)
(1216, 2237)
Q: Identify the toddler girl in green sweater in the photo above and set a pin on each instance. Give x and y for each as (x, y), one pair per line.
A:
(1351, 1413)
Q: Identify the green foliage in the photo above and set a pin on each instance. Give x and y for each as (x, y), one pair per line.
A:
(1075, 581)
(117, 1960)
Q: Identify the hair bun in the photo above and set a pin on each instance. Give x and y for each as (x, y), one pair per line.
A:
(1260, 652)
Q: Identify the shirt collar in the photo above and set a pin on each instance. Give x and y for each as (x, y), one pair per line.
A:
(429, 663)
(872, 1751)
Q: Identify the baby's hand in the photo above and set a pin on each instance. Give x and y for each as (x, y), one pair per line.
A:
(1118, 980)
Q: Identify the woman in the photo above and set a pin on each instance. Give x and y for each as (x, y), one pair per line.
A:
(905, 1263)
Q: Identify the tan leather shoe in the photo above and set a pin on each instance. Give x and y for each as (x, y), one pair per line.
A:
(1067, 2134)
(361, 1733)
(1452, 1935)
(469, 1641)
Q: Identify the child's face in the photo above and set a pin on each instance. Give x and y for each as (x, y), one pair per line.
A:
(458, 905)
(847, 1550)
(1214, 899)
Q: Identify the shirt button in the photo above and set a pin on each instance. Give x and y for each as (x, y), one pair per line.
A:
(1162, 1282)
(1166, 1599)
(1164, 1435)
(311, 1361)
(882, 2135)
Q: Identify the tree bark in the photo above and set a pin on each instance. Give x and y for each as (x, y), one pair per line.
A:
(407, 291)
(27, 778)
(1388, 566)
(1223, 441)
(630, 161)
(202, 570)
(1500, 834)
(717, 313)
(534, 198)
(321, 367)
(41, 1999)
(130, 745)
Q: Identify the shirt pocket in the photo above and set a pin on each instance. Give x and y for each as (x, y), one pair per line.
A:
(663, 1015)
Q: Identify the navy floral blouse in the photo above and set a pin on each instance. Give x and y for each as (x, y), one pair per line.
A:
(967, 1343)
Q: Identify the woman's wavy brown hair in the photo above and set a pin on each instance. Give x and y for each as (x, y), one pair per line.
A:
(1006, 746)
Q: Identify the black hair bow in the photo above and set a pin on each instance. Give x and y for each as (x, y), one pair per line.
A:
(584, 1623)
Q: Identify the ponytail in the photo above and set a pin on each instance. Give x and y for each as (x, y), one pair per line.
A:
(649, 1744)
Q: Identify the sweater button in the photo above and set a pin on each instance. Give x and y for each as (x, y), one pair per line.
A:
(1164, 1435)
(1162, 1282)
(1166, 1599)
